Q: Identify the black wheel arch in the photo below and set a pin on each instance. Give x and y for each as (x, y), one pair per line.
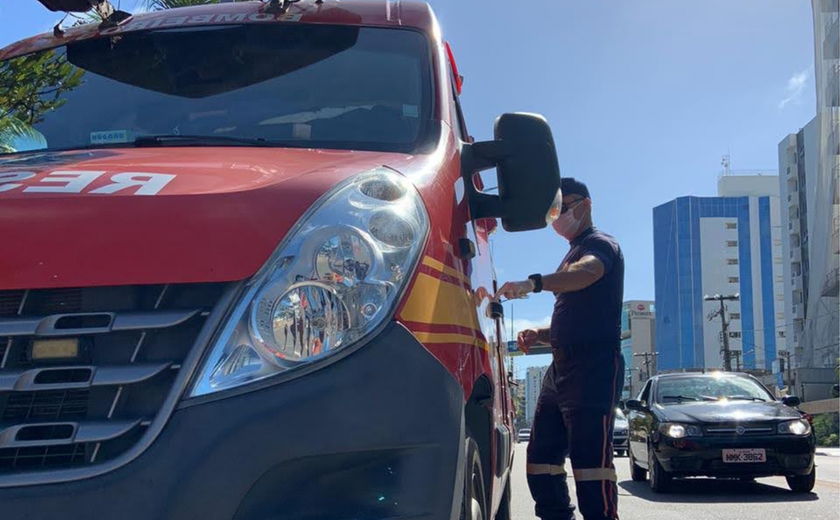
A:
(478, 419)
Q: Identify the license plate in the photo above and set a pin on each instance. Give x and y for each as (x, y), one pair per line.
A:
(744, 456)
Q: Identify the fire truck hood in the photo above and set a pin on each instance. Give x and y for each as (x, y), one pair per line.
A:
(161, 215)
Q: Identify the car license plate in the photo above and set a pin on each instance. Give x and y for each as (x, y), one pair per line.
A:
(744, 456)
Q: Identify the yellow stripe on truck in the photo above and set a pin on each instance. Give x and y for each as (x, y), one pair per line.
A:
(439, 303)
(446, 337)
(430, 262)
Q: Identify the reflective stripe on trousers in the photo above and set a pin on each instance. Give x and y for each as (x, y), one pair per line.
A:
(585, 436)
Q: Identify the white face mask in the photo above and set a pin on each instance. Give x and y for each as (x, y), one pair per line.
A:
(567, 225)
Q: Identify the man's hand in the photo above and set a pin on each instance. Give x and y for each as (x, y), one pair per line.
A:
(514, 290)
(527, 339)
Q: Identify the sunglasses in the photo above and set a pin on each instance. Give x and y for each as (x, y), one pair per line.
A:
(566, 207)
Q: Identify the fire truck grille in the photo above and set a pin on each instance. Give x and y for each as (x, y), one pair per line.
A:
(84, 372)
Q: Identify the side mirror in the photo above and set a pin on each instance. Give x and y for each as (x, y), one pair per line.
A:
(791, 400)
(528, 174)
(635, 404)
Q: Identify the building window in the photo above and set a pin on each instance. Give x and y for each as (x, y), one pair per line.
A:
(777, 241)
(735, 335)
(781, 334)
(731, 243)
(731, 225)
(777, 260)
(732, 261)
(780, 297)
(733, 279)
(780, 279)
(780, 316)
(735, 315)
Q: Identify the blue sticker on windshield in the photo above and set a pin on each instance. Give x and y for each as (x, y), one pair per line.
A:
(111, 136)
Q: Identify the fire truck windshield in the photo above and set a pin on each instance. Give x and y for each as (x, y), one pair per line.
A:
(313, 86)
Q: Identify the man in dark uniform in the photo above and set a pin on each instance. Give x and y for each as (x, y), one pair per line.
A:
(576, 407)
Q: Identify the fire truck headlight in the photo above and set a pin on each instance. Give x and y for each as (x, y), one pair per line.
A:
(334, 281)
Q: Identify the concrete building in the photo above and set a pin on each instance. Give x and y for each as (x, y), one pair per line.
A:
(724, 245)
(809, 162)
(637, 338)
(533, 382)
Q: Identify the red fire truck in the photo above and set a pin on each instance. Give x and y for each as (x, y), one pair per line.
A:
(245, 270)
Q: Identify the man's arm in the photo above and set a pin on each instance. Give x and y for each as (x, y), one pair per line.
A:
(575, 277)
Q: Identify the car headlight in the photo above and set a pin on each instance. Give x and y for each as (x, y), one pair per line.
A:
(679, 431)
(797, 427)
(335, 278)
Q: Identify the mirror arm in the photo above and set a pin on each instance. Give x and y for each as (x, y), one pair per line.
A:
(477, 157)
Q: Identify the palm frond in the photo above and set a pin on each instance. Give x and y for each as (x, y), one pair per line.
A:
(13, 129)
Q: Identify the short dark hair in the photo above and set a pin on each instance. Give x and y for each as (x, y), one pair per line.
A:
(572, 186)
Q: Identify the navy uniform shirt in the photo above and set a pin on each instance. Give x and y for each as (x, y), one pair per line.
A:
(593, 314)
(588, 368)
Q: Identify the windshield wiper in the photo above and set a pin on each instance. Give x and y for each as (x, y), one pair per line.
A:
(200, 140)
(681, 397)
(744, 398)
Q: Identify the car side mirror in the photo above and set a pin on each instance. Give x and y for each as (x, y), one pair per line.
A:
(791, 400)
(527, 170)
(635, 404)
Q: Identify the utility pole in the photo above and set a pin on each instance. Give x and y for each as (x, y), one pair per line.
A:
(737, 355)
(784, 355)
(630, 380)
(648, 357)
(727, 358)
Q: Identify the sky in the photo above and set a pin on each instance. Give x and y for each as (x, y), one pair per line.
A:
(644, 98)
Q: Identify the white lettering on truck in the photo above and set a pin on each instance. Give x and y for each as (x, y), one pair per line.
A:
(149, 183)
(8, 181)
(76, 182)
(64, 182)
(179, 21)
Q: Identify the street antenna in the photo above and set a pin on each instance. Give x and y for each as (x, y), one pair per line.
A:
(726, 162)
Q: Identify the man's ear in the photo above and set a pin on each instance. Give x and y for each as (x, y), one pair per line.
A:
(585, 204)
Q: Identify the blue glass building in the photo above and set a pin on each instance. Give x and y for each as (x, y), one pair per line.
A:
(718, 245)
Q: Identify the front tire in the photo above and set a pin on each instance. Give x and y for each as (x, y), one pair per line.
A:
(474, 504)
(637, 473)
(802, 483)
(660, 480)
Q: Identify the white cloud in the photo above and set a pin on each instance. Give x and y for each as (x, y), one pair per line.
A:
(795, 88)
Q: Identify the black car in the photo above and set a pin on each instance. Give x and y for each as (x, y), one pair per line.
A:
(720, 424)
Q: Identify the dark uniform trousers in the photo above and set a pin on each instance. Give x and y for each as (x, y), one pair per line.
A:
(574, 418)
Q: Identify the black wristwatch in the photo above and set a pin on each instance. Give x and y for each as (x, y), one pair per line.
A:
(537, 279)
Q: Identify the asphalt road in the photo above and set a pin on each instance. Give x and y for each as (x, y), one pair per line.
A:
(707, 499)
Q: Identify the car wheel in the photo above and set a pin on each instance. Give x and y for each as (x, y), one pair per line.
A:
(637, 473)
(504, 512)
(622, 453)
(802, 483)
(660, 480)
(474, 504)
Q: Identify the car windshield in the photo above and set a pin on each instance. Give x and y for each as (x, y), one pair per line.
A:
(313, 86)
(619, 415)
(709, 388)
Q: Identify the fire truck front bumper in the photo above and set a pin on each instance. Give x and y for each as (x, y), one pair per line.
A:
(376, 435)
